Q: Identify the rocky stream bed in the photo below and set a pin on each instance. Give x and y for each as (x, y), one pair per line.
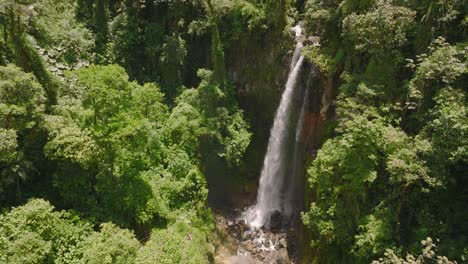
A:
(241, 244)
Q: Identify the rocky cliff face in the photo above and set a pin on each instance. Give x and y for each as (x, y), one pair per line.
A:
(260, 69)
(258, 66)
(321, 107)
(320, 111)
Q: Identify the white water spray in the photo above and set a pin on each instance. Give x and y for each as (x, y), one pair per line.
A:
(269, 197)
(290, 199)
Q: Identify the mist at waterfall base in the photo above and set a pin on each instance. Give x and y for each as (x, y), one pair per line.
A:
(278, 190)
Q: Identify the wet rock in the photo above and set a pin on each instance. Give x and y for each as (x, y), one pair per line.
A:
(276, 220)
(61, 66)
(283, 243)
(247, 235)
(248, 245)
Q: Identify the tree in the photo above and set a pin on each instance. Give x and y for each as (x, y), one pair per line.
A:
(110, 245)
(379, 30)
(35, 233)
(20, 49)
(173, 54)
(22, 102)
(178, 243)
(112, 139)
(8, 146)
(212, 116)
(362, 178)
(442, 67)
(20, 110)
(428, 255)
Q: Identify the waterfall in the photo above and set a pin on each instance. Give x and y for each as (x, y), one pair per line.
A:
(291, 204)
(272, 178)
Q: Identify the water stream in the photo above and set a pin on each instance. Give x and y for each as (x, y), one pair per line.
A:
(292, 202)
(271, 197)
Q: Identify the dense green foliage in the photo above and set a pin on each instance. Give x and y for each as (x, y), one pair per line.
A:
(36, 233)
(392, 170)
(428, 254)
(117, 151)
(115, 116)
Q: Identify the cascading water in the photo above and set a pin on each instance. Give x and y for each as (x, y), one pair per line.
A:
(269, 197)
(290, 203)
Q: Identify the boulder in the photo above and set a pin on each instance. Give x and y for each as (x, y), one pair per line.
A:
(276, 220)
(248, 235)
(248, 245)
(242, 222)
(283, 243)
